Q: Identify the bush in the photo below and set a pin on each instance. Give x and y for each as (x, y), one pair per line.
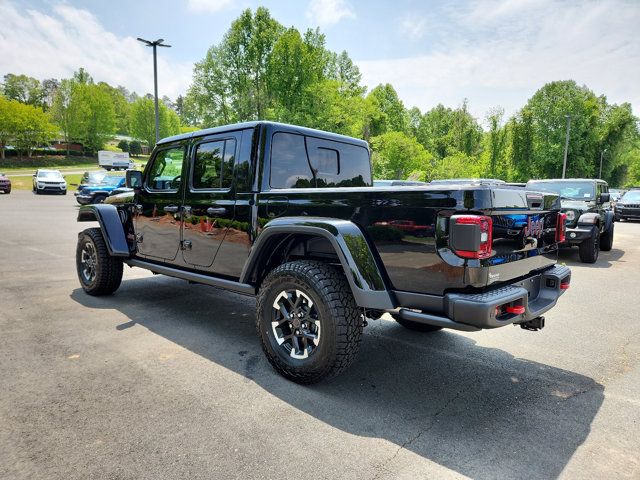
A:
(385, 234)
(123, 145)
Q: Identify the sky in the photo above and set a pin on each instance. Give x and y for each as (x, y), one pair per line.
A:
(494, 53)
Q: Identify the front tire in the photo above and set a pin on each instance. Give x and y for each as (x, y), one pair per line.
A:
(606, 239)
(308, 321)
(99, 273)
(590, 248)
(99, 199)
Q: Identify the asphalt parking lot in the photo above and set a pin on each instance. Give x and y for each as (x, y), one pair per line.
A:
(167, 380)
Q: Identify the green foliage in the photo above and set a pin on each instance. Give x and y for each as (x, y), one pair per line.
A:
(26, 126)
(392, 115)
(143, 123)
(383, 233)
(123, 145)
(396, 156)
(24, 89)
(135, 148)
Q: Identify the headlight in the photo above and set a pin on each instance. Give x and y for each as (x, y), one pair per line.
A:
(571, 215)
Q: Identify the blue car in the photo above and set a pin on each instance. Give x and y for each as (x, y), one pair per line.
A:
(97, 192)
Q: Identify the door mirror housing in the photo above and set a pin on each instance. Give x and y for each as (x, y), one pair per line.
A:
(605, 197)
(134, 179)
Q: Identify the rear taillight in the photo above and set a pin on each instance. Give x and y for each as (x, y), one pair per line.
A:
(471, 235)
(561, 227)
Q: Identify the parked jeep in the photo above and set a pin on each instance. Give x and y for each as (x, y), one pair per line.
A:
(628, 207)
(98, 192)
(590, 218)
(289, 214)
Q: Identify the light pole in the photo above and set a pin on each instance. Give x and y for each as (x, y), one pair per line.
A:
(566, 146)
(157, 43)
(601, 156)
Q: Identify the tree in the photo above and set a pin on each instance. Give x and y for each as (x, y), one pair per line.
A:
(120, 107)
(60, 109)
(143, 121)
(546, 111)
(397, 156)
(23, 89)
(496, 145)
(32, 127)
(49, 88)
(123, 145)
(8, 122)
(135, 148)
(92, 114)
(394, 117)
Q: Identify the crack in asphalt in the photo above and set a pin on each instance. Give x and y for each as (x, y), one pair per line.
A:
(434, 418)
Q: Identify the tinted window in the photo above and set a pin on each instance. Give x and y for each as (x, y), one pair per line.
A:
(166, 169)
(213, 166)
(574, 190)
(298, 161)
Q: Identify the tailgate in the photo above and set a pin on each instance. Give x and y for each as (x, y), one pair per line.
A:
(524, 225)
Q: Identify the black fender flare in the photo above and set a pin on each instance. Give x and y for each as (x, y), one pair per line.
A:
(110, 223)
(589, 219)
(358, 262)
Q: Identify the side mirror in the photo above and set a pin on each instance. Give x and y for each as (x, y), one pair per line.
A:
(134, 179)
(605, 197)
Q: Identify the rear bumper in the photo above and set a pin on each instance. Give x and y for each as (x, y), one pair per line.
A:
(462, 311)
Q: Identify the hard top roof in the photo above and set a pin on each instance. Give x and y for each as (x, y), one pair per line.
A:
(273, 125)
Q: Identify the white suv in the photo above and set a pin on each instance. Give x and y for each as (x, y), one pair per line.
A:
(49, 181)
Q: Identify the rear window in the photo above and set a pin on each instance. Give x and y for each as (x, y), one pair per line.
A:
(299, 161)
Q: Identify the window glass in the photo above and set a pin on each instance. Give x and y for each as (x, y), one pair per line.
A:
(213, 166)
(328, 164)
(166, 169)
(289, 164)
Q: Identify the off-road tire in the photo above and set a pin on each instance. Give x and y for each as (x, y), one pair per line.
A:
(590, 248)
(98, 199)
(415, 326)
(108, 269)
(606, 239)
(341, 320)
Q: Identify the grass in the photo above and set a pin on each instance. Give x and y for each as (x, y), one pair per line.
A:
(14, 165)
(26, 183)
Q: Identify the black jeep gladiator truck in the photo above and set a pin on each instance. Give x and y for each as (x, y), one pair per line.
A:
(590, 217)
(289, 214)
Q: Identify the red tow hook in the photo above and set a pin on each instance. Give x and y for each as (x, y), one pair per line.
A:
(564, 286)
(517, 309)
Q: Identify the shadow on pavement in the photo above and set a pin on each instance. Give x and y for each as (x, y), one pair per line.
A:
(571, 257)
(479, 411)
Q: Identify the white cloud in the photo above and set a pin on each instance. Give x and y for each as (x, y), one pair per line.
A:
(325, 13)
(55, 45)
(500, 52)
(414, 26)
(208, 6)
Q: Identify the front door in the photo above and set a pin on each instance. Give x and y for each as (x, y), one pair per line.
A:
(209, 202)
(158, 214)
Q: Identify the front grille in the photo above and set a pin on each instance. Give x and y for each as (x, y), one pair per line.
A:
(630, 205)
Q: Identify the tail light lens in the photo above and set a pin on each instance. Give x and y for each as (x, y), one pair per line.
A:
(561, 227)
(470, 236)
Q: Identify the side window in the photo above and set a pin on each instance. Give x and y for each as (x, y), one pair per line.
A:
(213, 165)
(289, 164)
(338, 164)
(166, 170)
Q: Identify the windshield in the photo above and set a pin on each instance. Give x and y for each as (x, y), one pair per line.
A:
(50, 174)
(569, 190)
(112, 180)
(95, 177)
(631, 196)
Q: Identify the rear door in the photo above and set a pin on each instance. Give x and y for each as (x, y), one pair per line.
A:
(209, 202)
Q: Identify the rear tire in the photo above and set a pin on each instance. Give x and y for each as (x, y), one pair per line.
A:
(99, 273)
(606, 239)
(308, 321)
(590, 248)
(415, 326)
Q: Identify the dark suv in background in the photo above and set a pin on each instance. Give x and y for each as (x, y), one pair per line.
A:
(590, 218)
(628, 206)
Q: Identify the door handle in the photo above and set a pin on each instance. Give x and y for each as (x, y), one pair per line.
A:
(171, 209)
(211, 211)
